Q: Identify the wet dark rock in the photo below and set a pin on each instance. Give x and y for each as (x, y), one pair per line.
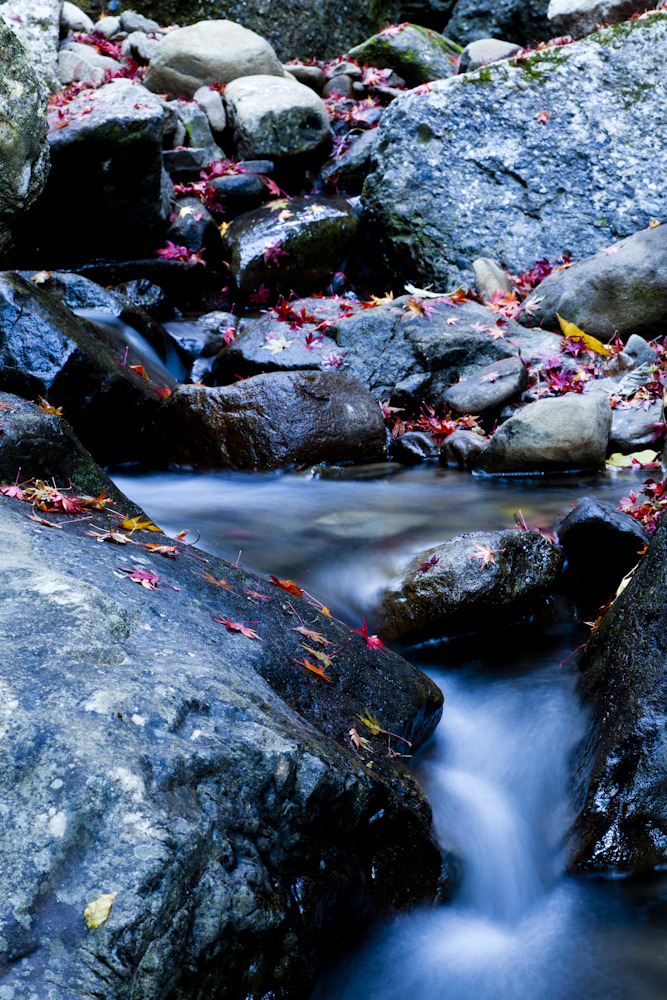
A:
(208, 52)
(198, 132)
(46, 350)
(620, 774)
(635, 428)
(418, 54)
(194, 227)
(413, 447)
(564, 432)
(485, 51)
(340, 86)
(186, 162)
(278, 118)
(601, 544)
(131, 21)
(298, 253)
(149, 297)
(457, 594)
(488, 388)
(272, 421)
(107, 162)
(43, 446)
(580, 17)
(347, 173)
(24, 151)
(525, 21)
(185, 282)
(462, 449)
(204, 777)
(240, 193)
(435, 144)
(622, 289)
(391, 346)
(311, 76)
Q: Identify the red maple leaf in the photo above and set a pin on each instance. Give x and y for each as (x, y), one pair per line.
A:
(485, 553)
(260, 296)
(147, 578)
(241, 627)
(372, 641)
(433, 561)
(289, 585)
(274, 252)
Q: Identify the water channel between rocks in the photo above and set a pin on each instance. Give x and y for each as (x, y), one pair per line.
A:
(496, 771)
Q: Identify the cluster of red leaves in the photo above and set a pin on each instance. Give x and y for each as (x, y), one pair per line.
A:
(648, 505)
(527, 51)
(438, 424)
(171, 251)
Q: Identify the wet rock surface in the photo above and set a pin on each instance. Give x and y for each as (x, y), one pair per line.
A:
(489, 388)
(272, 421)
(622, 807)
(202, 776)
(447, 590)
(523, 21)
(433, 145)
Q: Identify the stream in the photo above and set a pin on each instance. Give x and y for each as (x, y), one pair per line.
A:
(497, 769)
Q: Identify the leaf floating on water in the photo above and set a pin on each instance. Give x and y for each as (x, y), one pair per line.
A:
(97, 912)
(572, 332)
(643, 458)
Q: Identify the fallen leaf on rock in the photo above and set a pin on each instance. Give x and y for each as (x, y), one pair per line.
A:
(110, 536)
(216, 583)
(422, 293)
(97, 912)
(372, 641)
(241, 627)
(42, 520)
(46, 407)
(147, 578)
(136, 524)
(485, 553)
(359, 742)
(314, 669)
(572, 332)
(276, 344)
(256, 594)
(543, 117)
(14, 490)
(97, 503)
(433, 561)
(313, 636)
(318, 654)
(41, 276)
(171, 551)
(289, 585)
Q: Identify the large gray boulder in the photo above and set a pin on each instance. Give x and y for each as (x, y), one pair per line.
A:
(209, 52)
(36, 23)
(106, 155)
(580, 17)
(524, 21)
(521, 202)
(24, 151)
(417, 54)
(275, 118)
(272, 421)
(565, 432)
(622, 289)
(622, 761)
(448, 589)
(199, 774)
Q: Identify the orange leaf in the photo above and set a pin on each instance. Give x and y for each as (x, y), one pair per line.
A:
(289, 585)
(313, 669)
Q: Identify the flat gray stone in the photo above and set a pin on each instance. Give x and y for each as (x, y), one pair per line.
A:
(485, 51)
(489, 388)
(580, 17)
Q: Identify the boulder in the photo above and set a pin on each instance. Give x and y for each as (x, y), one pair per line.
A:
(600, 544)
(106, 156)
(462, 449)
(131, 21)
(140, 47)
(580, 17)
(72, 18)
(347, 172)
(200, 775)
(489, 388)
(484, 51)
(413, 447)
(36, 23)
(272, 421)
(269, 346)
(290, 247)
(35, 444)
(622, 289)
(211, 103)
(46, 350)
(621, 796)
(275, 118)
(521, 203)
(635, 428)
(389, 345)
(305, 29)
(312, 76)
(240, 193)
(447, 589)
(523, 20)
(417, 54)
(209, 52)
(24, 151)
(79, 63)
(564, 432)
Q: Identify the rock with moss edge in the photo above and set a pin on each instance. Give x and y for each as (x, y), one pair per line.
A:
(417, 54)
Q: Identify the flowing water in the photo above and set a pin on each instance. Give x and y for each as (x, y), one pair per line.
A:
(497, 768)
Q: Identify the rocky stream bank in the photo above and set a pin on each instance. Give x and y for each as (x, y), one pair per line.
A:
(228, 244)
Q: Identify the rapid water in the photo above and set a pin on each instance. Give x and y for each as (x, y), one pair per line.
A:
(497, 769)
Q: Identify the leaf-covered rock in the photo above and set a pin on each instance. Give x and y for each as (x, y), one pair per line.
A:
(474, 582)
(202, 776)
(533, 188)
(622, 289)
(272, 421)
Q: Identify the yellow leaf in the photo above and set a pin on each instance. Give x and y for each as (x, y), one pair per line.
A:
(573, 332)
(643, 458)
(98, 911)
(223, 227)
(136, 524)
